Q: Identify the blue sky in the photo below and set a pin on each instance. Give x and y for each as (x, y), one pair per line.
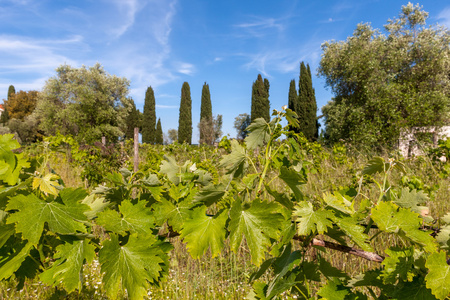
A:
(162, 43)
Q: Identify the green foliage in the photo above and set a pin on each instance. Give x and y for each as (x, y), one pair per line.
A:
(385, 82)
(11, 91)
(257, 201)
(86, 103)
(149, 117)
(185, 117)
(159, 140)
(260, 99)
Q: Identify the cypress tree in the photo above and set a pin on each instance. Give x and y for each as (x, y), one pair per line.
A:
(260, 99)
(307, 104)
(185, 118)
(293, 100)
(159, 133)
(149, 117)
(206, 117)
(11, 91)
(132, 121)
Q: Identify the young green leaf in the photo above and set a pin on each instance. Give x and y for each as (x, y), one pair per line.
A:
(69, 264)
(234, 162)
(131, 217)
(259, 134)
(390, 218)
(438, 277)
(34, 213)
(354, 231)
(201, 232)
(294, 180)
(47, 184)
(333, 290)
(257, 222)
(397, 265)
(310, 221)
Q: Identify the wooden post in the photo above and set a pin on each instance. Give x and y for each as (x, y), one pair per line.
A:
(104, 140)
(136, 149)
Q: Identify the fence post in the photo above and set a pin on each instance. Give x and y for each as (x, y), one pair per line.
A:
(136, 149)
(104, 140)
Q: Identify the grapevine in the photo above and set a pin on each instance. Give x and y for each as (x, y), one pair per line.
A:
(50, 232)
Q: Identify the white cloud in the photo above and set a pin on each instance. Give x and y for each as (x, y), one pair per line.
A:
(186, 68)
(24, 55)
(259, 27)
(444, 17)
(166, 106)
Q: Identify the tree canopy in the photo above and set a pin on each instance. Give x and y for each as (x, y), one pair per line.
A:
(159, 137)
(21, 104)
(86, 102)
(385, 82)
(241, 123)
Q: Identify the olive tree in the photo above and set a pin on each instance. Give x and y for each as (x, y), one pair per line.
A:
(385, 81)
(86, 102)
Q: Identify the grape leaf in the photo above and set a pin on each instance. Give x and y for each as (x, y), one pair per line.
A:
(397, 265)
(10, 164)
(375, 165)
(443, 237)
(410, 199)
(438, 277)
(96, 203)
(47, 184)
(131, 217)
(309, 220)
(201, 232)
(257, 222)
(170, 167)
(333, 290)
(210, 194)
(390, 218)
(337, 201)
(259, 133)
(130, 266)
(235, 162)
(69, 264)
(293, 179)
(34, 213)
(11, 263)
(5, 232)
(354, 231)
(415, 289)
(175, 215)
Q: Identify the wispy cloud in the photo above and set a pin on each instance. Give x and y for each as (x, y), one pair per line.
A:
(444, 17)
(259, 27)
(130, 8)
(166, 106)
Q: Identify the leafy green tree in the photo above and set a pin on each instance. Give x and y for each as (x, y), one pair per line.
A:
(159, 140)
(385, 82)
(260, 99)
(86, 102)
(172, 135)
(307, 106)
(241, 123)
(206, 118)
(132, 120)
(185, 118)
(149, 117)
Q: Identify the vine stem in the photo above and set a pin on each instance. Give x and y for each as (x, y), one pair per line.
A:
(342, 248)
